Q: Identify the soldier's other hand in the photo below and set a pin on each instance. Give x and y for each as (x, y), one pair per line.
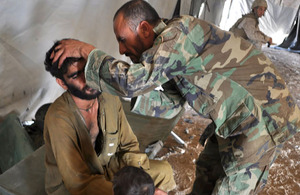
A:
(159, 192)
(270, 41)
(70, 48)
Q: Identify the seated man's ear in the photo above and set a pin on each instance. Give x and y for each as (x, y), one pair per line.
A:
(62, 83)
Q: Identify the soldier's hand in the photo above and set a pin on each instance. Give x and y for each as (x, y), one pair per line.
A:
(70, 48)
(270, 41)
(159, 192)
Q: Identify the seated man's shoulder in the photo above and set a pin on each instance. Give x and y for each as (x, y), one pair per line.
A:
(110, 98)
(59, 106)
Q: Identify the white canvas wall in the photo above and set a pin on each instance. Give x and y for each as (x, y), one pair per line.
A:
(276, 22)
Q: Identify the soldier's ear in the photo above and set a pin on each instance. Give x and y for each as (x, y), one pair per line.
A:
(145, 29)
(62, 83)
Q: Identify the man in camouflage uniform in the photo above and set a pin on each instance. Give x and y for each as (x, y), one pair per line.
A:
(247, 26)
(220, 75)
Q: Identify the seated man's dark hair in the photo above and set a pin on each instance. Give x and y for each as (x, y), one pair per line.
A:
(133, 181)
(136, 11)
(53, 67)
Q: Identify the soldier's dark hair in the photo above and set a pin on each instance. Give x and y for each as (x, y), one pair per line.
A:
(136, 11)
(53, 67)
(133, 181)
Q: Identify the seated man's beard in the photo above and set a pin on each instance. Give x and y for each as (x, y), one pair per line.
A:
(81, 93)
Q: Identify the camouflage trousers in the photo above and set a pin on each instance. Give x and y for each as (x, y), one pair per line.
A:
(248, 179)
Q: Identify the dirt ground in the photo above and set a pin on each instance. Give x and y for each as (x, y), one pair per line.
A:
(284, 175)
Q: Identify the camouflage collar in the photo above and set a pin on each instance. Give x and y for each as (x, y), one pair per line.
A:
(159, 27)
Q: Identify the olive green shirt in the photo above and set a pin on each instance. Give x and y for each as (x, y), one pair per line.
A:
(72, 164)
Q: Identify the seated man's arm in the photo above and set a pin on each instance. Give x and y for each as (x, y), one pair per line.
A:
(130, 155)
(128, 152)
(65, 163)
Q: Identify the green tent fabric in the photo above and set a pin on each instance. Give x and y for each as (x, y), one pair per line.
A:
(150, 129)
(15, 142)
(292, 41)
(26, 177)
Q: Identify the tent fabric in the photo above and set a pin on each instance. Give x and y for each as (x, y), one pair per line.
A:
(292, 41)
(16, 144)
(210, 11)
(26, 177)
(277, 20)
(149, 129)
(224, 13)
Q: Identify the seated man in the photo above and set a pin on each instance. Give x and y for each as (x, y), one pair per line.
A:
(247, 26)
(88, 139)
(133, 181)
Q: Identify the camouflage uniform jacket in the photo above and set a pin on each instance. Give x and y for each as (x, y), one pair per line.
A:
(218, 74)
(247, 27)
(71, 161)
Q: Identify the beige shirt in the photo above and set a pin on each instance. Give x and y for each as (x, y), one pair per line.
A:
(249, 25)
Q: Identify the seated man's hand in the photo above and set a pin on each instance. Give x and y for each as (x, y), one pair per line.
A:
(71, 48)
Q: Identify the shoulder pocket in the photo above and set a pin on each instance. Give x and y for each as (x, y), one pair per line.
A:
(237, 123)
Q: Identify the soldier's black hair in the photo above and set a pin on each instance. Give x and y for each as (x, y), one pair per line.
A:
(136, 11)
(133, 181)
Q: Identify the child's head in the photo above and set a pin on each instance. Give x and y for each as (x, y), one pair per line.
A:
(133, 181)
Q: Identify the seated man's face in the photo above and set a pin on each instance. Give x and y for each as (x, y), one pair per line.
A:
(75, 81)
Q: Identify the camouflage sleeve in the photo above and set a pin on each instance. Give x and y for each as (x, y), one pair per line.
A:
(253, 32)
(166, 103)
(173, 54)
(105, 73)
(168, 58)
